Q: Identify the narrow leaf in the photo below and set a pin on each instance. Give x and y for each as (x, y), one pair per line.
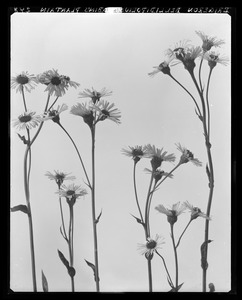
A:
(20, 207)
(44, 282)
(97, 219)
(93, 268)
(71, 271)
(22, 138)
(138, 220)
(204, 263)
(170, 283)
(176, 289)
(63, 259)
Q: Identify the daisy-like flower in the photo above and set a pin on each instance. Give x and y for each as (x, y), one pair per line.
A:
(213, 58)
(54, 114)
(27, 120)
(85, 111)
(172, 213)
(59, 177)
(23, 81)
(71, 192)
(56, 84)
(158, 174)
(195, 211)
(187, 156)
(136, 152)
(95, 95)
(178, 50)
(164, 67)
(107, 111)
(151, 246)
(209, 42)
(157, 157)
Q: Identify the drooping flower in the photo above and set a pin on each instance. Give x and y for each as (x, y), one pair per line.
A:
(85, 111)
(59, 177)
(172, 213)
(136, 152)
(213, 58)
(71, 192)
(209, 42)
(187, 156)
(195, 211)
(94, 95)
(164, 67)
(54, 114)
(158, 174)
(24, 81)
(107, 111)
(56, 84)
(157, 157)
(151, 246)
(27, 120)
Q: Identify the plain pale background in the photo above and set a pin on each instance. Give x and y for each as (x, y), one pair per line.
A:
(117, 51)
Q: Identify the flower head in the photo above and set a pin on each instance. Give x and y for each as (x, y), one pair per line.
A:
(107, 111)
(136, 152)
(213, 58)
(157, 157)
(23, 81)
(195, 211)
(56, 84)
(54, 114)
(172, 213)
(209, 42)
(71, 192)
(158, 174)
(187, 156)
(94, 95)
(85, 111)
(151, 246)
(59, 177)
(27, 120)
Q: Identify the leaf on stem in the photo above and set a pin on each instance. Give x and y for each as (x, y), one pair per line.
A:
(204, 263)
(44, 282)
(71, 271)
(176, 289)
(170, 283)
(63, 259)
(138, 220)
(20, 207)
(22, 138)
(93, 268)
(97, 219)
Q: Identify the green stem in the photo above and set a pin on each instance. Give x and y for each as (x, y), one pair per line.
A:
(175, 254)
(136, 194)
(78, 153)
(93, 212)
(183, 233)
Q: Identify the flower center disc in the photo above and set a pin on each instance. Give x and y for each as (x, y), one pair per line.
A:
(70, 193)
(24, 119)
(21, 79)
(151, 244)
(55, 81)
(105, 112)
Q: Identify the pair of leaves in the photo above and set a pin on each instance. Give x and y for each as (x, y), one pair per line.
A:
(93, 268)
(71, 271)
(44, 282)
(20, 207)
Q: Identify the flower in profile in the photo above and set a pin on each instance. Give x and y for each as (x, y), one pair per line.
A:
(158, 174)
(209, 42)
(85, 111)
(54, 114)
(56, 84)
(213, 58)
(107, 111)
(187, 156)
(95, 95)
(71, 192)
(164, 67)
(157, 157)
(195, 211)
(59, 177)
(23, 81)
(27, 120)
(151, 246)
(172, 213)
(136, 152)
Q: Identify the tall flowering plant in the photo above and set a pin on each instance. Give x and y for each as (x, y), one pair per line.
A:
(188, 55)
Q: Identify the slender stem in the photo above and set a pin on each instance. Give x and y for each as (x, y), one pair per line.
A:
(150, 275)
(175, 253)
(135, 191)
(207, 102)
(70, 244)
(199, 72)
(93, 212)
(78, 153)
(62, 219)
(31, 235)
(194, 100)
(53, 103)
(168, 274)
(183, 233)
(25, 106)
(147, 206)
(30, 156)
